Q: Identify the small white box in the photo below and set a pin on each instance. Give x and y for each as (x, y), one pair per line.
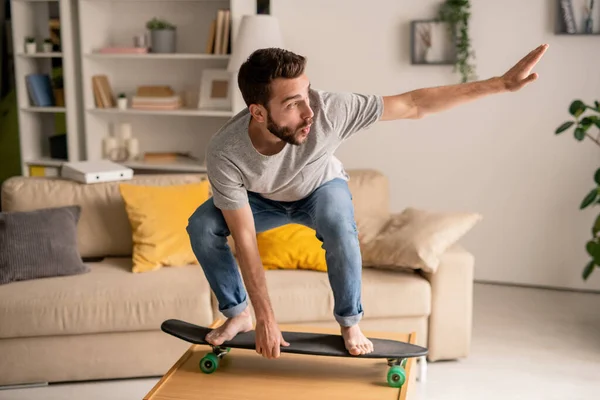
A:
(95, 171)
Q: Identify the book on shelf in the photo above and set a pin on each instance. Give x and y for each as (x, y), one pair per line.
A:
(42, 170)
(219, 33)
(39, 88)
(103, 93)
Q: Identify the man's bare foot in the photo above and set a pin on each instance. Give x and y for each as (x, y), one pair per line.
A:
(356, 343)
(230, 328)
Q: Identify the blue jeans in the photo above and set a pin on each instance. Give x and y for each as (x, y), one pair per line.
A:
(328, 210)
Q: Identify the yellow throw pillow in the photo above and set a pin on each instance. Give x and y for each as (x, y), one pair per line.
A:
(291, 246)
(158, 216)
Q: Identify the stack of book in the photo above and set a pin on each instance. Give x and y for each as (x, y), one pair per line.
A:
(156, 98)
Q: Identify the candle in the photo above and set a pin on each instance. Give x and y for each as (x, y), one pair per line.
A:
(125, 132)
(133, 148)
(109, 144)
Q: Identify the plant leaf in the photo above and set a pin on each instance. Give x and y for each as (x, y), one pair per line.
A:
(564, 127)
(579, 134)
(589, 199)
(593, 249)
(597, 105)
(597, 176)
(587, 271)
(577, 108)
(587, 122)
(596, 227)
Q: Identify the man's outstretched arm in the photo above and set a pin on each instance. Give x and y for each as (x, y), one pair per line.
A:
(418, 103)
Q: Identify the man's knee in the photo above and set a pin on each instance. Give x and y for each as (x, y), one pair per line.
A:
(337, 224)
(336, 211)
(206, 222)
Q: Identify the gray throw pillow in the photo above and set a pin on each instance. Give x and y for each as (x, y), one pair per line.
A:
(39, 244)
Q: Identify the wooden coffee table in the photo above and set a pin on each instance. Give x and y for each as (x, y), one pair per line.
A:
(244, 374)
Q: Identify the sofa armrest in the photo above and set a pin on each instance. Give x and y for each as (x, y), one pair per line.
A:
(450, 321)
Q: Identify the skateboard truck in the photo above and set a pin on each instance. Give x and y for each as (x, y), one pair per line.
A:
(396, 361)
(220, 351)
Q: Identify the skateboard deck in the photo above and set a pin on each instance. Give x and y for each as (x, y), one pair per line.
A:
(316, 344)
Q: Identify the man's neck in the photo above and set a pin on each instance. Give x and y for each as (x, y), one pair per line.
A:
(264, 141)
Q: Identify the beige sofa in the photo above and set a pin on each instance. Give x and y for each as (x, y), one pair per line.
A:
(106, 323)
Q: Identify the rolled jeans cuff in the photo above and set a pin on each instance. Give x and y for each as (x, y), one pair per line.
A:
(235, 310)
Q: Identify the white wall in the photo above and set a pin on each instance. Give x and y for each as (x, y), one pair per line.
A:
(497, 156)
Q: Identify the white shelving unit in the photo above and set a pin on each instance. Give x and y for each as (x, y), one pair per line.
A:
(38, 124)
(115, 23)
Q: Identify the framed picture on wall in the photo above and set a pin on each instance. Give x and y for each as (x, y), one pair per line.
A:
(431, 43)
(215, 90)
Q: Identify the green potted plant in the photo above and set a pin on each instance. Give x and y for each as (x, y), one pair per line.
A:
(582, 125)
(163, 35)
(47, 45)
(30, 45)
(456, 13)
(122, 101)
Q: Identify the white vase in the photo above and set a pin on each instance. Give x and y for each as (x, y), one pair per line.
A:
(47, 47)
(30, 48)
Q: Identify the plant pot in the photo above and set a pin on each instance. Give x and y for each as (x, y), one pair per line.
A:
(30, 48)
(122, 103)
(163, 40)
(47, 47)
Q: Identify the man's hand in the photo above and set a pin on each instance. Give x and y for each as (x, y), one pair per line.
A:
(422, 102)
(269, 339)
(520, 75)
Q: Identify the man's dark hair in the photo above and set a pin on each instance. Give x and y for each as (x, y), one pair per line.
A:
(262, 67)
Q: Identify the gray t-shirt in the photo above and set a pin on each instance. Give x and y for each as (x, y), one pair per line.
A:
(234, 166)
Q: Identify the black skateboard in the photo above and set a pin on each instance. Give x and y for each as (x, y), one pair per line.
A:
(318, 344)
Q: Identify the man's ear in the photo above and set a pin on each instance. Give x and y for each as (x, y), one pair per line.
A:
(258, 112)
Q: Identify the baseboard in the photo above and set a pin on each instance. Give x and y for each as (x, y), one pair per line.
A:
(23, 386)
(540, 287)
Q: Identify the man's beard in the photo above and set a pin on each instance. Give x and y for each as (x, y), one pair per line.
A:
(285, 133)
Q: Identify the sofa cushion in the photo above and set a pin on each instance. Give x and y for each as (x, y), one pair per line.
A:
(104, 228)
(417, 239)
(39, 244)
(159, 216)
(291, 246)
(371, 200)
(108, 299)
(306, 296)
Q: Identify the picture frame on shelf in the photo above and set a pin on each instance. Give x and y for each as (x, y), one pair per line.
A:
(215, 90)
(431, 43)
